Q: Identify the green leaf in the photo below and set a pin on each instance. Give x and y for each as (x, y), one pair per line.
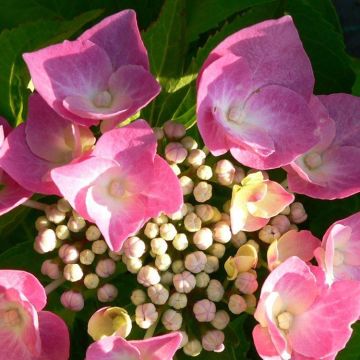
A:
(325, 46)
(14, 77)
(356, 67)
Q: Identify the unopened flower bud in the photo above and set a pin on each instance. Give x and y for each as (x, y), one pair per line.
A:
(190, 208)
(179, 215)
(254, 244)
(69, 254)
(297, 213)
(107, 293)
(203, 238)
(161, 219)
(76, 224)
(184, 339)
(189, 143)
(42, 223)
(151, 230)
(178, 301)
(54, 215)
(62, 232)
(115, 255)
(215, 291)
(212, 264)
(213, 340)
(250, 301)
(204, 310)
(148, 276)
(72, 300)
(222, 232)
(109, 321)
(146, 315)
(281, 222)
(286, 211)
(204, 172)
(192, 222)
(99, 247)
(202, 280)
(92, 233)
(193, 348)
(163, 262)
(167, 278)
(205, 212)
(174, 130)
(237, 304)
(73, 272)
(246, 283)
(175, 152)
(134, 247)
(180, 242)
(238, 239)
(45, 241)
(184, 282)
(245, 259)
(138, 297)
(178, 266)
(51, 269)
(226, 207)
(217, 250)
(91, 281)
(172, 320)
(196, 158)
(195, 262)
(158, 294)
(202, 191)
(187, 185)
(225, 172)
(134, 265)
(168, 231)
(159, 133)
(105, 268)
(87, 257)
(175, 168)
(239, 175)
(63, 205)
(269, 233)
(158, 246)
(221, 320)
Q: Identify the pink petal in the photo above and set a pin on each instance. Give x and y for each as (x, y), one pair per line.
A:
(26, 284)
(112, 347)
(119, 36)
(325, 327)
(274, 52)
(30, 171)
(264, 345)
(55, 341)
(159, 347)
(6, 128)
(254, 223)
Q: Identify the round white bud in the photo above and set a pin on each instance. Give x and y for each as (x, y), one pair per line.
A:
(217, 250)
(237, 304)
(158, 294)
(269, 233)
(151, 230)
(205, 212)
(246, 282)
(179, 215)
(72, 300)
(161, 219)
(159, 133)
(45, 241)
(105, 268)
(87, 257)
(99, 247)
(239, 175)
(187, 185)
(76, 224)
(107, 293)
(204, 310)
(189, 143)
(222, 232)
(63, 205)
(221, 320)
(54, 215)
(145, 315)
(281, 222)
(215, 291)
(172, 320)
(178, 301)
(68, 253)
(42, 223)
(134, 265)
(202, 191)
(91, 281)
(203, 238)
(195, 262)
(115, 255)
(213, 340)
(297, 213)
(158, 246)
(163, 262)
(138, 297)
(73, 272)
(190, 208)
(52, 269)
(62, 232)
(286, 211)
(238, 239)
(175, 168)
(148, 276)
(225, 172)
(174, 130)
(196, 158)
(92, 233)
(212, 264)
(134, 247)
(202, 280)
(178, 266)
(204, 172)
(184, 339)
(175, 152)
(193, 348)
(184, 282)
(192, 222)
(180, 242)
(167, 278)
(168, 231)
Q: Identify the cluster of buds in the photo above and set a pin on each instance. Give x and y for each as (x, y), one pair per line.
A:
(78, 255)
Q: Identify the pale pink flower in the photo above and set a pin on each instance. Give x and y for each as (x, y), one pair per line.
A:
(27, 332)
(122, 184)
(293, 243)
(43, 142)
(155, 348)
(255, 201)
(302, 318)
(331, 169)
(339, 254)
(101, 75)
(253, 94)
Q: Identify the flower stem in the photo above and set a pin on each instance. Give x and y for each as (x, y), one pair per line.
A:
(54, 285)
(35, 205)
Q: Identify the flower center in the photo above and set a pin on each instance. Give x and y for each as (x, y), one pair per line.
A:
(338, 258)
(313, 160)
(116, 189)
(285, 320)
(102, 99)
(12, 318)
(236, 115)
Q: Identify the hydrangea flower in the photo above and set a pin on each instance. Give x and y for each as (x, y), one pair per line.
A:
(302, 318)
(331, 169)
(101, 75)
(255, 201)
(43, 142)
(122, 184)
(253, 95)
(155, 348)
(27, 332)
(11, 193)
(339, 254)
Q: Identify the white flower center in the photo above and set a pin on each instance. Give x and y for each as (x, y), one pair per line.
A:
(338, 258)
(116, 189)
(236, 114)
(285, 320)
(12, 318)
(313, 160)
(102, 99)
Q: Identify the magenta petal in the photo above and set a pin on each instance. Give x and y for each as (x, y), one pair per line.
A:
(54, 334)
(119, 36)
(159, 347)
(26, 284)
(111, 348)
(264, 345)
(6, 128)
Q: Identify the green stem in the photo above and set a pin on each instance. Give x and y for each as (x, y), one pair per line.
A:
(54, 285)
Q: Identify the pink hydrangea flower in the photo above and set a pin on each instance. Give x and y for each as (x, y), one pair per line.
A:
(27, 332)
(11, 193)
(255, 201)
(302, 318)
(122, 184)
(43, 142)
(101, 75)
(339, 254)
(155, 348)
(331, 169)
(293, 243)
(253, 95)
